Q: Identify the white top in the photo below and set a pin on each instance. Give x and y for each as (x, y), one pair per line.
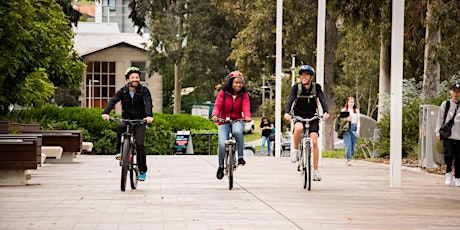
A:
(354, 116)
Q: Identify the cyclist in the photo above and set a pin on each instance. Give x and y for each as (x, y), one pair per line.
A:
(303, 103)
(233, 102)
(136, 103)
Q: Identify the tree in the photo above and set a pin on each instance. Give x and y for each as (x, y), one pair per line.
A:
(37, 48)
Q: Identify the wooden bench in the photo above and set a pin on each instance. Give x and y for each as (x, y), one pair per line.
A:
(39, 138)
(17, 155)
(69, 140)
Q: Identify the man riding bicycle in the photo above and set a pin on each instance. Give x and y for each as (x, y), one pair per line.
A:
(303, 102)
(233, 102)
(136, 103)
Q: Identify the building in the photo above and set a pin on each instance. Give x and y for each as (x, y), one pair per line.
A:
(107, 53)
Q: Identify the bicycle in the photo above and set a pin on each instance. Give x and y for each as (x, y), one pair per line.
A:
(306, 149)
(128, 150)
(230, 152)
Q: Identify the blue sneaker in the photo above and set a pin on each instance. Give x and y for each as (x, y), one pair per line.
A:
(117, 156)
(142, 176)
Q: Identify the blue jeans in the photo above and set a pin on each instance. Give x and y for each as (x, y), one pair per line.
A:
(350, 140)
(266, 140)
(237, 128)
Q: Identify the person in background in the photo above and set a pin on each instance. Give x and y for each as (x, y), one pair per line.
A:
(266, 126)
(452, 143)
(351, 136)
(232, 102)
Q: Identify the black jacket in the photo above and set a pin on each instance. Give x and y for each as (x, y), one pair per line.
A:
(138, 107)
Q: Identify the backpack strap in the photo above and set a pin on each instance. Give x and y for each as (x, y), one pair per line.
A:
(446, 110)
(299, 91)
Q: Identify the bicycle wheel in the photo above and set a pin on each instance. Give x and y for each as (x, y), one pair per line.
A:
(133, 169)
(302, 164)
(308, 164)
(124, 163)
(230, 165)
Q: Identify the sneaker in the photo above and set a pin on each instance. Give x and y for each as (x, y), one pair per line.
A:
(241, 161)
(317, 176)
(117, 156)
(457, 182)
(220, 173)
(142, 176)
(448, 179)
(294, 155)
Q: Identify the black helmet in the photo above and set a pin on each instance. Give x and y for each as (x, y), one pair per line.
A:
(132, 69)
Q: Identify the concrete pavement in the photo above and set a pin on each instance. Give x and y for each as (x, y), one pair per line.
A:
(182, 192)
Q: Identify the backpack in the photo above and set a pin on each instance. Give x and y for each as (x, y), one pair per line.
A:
(299, 91)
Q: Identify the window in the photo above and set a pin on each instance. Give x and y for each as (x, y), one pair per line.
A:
(110, 4)
(100, 83)
(141, 65)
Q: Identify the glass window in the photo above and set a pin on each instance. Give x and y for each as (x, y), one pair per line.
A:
(100, 83)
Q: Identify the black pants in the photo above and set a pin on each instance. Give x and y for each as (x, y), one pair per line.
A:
(452, 153)
(139, 133)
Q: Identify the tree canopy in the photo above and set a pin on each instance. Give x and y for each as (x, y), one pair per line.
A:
(36, 54)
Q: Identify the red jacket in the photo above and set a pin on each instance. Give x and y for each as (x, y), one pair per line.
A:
(238, 108)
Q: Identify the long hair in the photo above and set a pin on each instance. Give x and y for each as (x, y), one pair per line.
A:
(355, 108)
(262, 121)
(228, 86)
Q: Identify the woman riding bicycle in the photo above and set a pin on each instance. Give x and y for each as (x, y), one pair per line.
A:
(136, 103)
(303, 102)
(232, 102)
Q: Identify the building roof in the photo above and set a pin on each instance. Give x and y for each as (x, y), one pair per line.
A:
(92, 37)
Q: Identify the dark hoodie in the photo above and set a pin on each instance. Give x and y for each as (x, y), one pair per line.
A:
(138, 107)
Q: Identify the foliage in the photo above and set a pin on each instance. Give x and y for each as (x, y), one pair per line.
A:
(35, 36)
(160, 134)
(67, 97)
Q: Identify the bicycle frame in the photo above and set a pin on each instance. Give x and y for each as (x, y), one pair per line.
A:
(128, 159)
(306, 149)
(230, 163)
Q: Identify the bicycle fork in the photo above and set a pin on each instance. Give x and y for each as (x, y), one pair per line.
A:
(230, 145)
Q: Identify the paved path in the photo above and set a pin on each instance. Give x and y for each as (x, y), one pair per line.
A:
(182, 192)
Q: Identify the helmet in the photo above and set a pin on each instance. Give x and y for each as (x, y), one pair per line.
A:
(132, 69)
(235, 74)
(307, 69)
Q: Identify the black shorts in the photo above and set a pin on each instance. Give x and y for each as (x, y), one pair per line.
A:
(314, 126)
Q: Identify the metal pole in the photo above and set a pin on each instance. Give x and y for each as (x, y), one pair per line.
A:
(89, 92)
(321, 40)
(278, 70)
(397, 47)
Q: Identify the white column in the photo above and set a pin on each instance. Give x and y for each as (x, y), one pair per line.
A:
(320, 44)
(397, 47)
(278, 70)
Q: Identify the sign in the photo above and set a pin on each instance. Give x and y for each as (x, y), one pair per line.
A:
(183, 143)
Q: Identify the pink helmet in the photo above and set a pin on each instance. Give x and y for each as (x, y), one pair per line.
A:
(235, 74)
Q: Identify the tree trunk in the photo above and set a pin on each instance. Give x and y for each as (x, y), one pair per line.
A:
(330, 49)
(384, 75)
(431, 68)
(177, 89)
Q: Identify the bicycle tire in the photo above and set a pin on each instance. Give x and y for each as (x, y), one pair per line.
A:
(230, 165)
(308, 165)
(124, 163)
(133, 169)
(302, 163)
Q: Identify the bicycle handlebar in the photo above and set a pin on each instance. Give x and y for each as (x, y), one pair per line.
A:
(297, 118)
(228, 120)
(131, 121)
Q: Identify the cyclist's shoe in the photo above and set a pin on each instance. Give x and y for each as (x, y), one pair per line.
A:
(457, 182)
(317, 176)
(142, 176)
(294, 155)
(448, 179)
(117, 156)
(241, 161)
(220, 173)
